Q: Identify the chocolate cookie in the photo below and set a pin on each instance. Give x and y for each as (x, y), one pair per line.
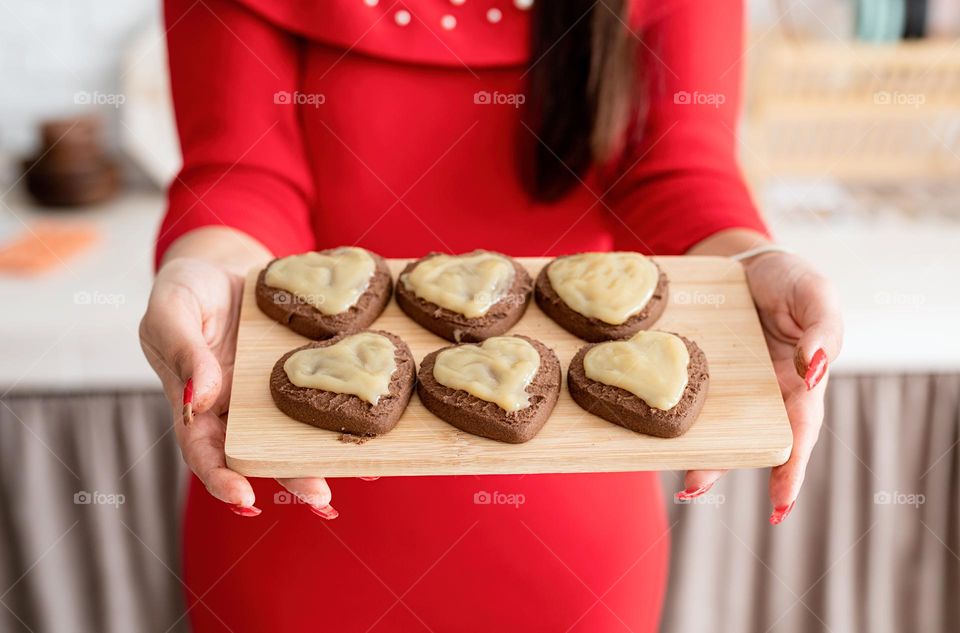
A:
(341, 412)
(626, 409)
(592, 329)
(457, 327)
(303, 318)
(487, 419)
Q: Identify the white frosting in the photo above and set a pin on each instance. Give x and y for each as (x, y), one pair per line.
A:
(611, 287)
(332, 282)
(499, 370)
(360, 364)
(467, 284)
(651, 365)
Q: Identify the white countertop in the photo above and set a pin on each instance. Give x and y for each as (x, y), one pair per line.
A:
(900, 287)
(76, 327)
(893, 250)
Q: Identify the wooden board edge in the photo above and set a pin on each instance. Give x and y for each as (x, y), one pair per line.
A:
(762, 458)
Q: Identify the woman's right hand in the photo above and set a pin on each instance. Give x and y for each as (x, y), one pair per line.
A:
(189, 333)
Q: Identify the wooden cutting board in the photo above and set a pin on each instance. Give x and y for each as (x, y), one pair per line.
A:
(743, 423)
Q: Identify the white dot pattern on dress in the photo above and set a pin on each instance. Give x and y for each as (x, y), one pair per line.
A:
(371, 3)
(449, 22)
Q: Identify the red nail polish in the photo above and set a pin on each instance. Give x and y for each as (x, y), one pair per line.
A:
(692, 492)
(328, 512)
(368, 478)
(188, 402)
(816, 369)
(246, 511)
(780, 514)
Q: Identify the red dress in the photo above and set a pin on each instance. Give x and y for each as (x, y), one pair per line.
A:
(317, 124)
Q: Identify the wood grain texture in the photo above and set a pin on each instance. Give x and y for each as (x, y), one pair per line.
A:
(743, 423)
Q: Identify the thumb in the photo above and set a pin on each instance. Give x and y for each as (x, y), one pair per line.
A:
(172, 332)
(818, 315)
(193, 361)
(825, 334)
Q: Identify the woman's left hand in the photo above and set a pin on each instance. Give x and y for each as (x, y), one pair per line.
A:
(800, 313)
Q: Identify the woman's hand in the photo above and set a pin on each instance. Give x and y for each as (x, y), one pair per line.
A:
(189, 335)
(800, 313)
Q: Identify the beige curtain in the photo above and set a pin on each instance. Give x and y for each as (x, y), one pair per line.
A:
(90, 493)
(872, 545)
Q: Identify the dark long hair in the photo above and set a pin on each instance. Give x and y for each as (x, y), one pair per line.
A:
(581, 87)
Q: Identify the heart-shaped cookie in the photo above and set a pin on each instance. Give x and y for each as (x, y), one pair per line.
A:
(602, 296)
(504, 389)
(321, 294)
(468, 284)
(499, 370)
(331, 281)
(650, 365)
(353, 383)
(655, 383)
(467, 297)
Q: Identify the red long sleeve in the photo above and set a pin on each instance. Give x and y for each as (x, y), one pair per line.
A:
(244, 163)
(682, 183)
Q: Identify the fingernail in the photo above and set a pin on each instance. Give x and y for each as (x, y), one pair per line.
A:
(780, 514)
(816, 369)
(246, 511)
(692, 492)
(188, 402)
(328, 512)
(368, 478)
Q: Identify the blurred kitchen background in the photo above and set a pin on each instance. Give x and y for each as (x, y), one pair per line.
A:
(851, 141)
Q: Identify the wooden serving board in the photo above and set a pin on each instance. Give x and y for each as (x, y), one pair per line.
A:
(743, 423)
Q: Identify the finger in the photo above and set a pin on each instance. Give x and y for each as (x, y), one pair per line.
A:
(787, 480)
(201, 445)
(182, 344)
(819, 316)
(313, 491)
(174, 332)
(697, 483)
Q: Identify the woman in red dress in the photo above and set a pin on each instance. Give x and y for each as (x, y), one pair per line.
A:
(447, 125)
